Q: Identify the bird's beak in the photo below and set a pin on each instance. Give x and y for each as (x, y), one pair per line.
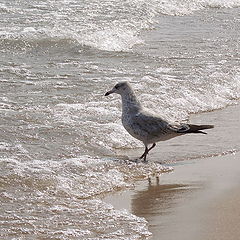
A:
(109, 92)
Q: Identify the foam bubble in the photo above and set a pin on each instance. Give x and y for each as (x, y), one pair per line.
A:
(5, 9)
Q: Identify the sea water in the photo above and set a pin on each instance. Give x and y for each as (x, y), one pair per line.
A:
(60, 135)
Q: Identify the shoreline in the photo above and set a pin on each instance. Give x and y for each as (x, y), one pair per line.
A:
(193, 200)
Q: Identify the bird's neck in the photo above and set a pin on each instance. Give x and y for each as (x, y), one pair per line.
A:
(130, 104)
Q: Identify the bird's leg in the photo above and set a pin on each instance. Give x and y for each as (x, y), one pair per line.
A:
(154, 144)
(145, 153)
(144, 156)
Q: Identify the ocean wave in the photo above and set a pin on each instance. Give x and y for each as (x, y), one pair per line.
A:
(82, 177)
(57, 197)
(68, 218)
(31, 38)
(179, 98)
(60, 198)
(185, 7)
(112, 26)
(112, 40)
(106, 132)
(107, 39)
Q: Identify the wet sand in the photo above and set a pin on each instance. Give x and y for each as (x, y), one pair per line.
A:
(200, 198)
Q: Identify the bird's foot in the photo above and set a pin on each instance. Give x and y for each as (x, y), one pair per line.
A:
(144, 157)
(137, 160)
(142, 160)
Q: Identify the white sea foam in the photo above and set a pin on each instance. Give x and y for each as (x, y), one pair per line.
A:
(111, 26)
(81, 177)
(186, 96)
(62, 191)
(112, 40)
(103, 121)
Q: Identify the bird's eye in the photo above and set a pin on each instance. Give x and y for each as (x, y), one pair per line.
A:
(117, 86)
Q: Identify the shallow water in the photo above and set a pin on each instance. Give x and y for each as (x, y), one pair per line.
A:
(60, 135)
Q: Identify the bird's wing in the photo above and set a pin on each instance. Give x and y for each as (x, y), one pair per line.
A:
(150, 124)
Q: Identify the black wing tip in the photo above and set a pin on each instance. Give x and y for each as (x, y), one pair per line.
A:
(198, 128)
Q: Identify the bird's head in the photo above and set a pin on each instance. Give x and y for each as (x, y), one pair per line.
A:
(119, 88)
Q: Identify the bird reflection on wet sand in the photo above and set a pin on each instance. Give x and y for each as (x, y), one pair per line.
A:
(158, 199)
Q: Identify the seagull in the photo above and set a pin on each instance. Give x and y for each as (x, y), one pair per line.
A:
(145, 126)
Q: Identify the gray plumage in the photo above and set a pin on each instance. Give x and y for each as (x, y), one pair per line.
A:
(147, 127)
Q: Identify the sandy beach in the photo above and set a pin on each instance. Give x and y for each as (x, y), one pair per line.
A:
(64, 152)
(200, 198)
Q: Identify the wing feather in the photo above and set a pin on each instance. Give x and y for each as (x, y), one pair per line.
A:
(151, 125)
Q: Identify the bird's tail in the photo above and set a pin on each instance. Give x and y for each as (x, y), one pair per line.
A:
(197, 128)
